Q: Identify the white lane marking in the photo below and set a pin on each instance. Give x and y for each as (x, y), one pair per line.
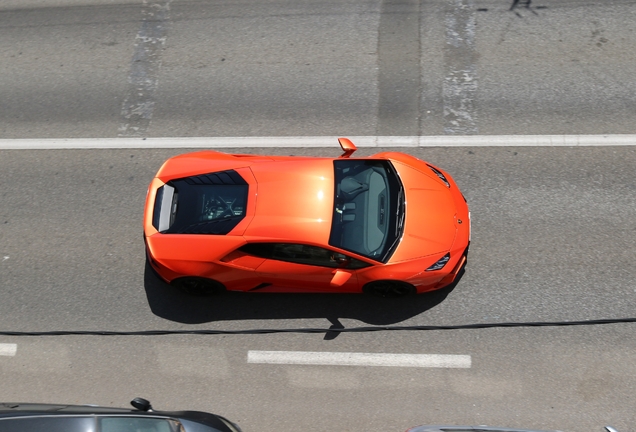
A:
(322, 141)
(359, 359)
(8, 349)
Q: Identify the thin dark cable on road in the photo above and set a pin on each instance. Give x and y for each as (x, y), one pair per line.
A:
(319, 330)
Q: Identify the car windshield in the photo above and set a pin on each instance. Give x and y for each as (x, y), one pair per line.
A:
(368, 212)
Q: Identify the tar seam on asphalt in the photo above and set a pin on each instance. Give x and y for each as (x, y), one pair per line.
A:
(321, 330)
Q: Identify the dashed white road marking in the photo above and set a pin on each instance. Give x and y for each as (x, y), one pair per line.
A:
(322, 141)
(8, 349)
(359, 359)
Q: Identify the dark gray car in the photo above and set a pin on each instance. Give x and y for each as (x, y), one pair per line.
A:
(444, 428)
(21, 417)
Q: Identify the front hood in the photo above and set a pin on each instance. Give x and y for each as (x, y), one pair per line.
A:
(430, 223)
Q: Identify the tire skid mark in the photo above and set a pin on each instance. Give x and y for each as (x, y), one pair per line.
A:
(143, 80)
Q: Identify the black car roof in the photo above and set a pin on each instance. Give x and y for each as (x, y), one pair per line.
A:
(10, 409)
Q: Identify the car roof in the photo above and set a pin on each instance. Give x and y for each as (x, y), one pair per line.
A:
(294, 200)
(8, 409)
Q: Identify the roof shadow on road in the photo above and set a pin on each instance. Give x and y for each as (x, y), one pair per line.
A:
(169, 303)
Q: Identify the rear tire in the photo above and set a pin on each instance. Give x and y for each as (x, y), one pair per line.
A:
(389, 289)
(198, 286)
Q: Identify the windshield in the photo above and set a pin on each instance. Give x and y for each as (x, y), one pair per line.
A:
(368, 208)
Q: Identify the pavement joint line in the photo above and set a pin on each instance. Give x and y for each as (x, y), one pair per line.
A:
(8, 349)
(359, 359)
(321, 141)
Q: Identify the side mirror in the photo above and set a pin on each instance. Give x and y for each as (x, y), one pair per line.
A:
(347, 146)
(141, 404)
(339, 258)
(340, 278)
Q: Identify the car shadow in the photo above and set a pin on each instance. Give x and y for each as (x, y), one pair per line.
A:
(169, 303)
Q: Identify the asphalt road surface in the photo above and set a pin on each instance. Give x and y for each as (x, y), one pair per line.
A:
(553, 227)
(98, 68)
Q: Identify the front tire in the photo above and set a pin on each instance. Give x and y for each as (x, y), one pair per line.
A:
(198, 286)
(389, 289)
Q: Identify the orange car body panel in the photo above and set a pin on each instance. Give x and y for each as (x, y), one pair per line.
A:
(294, 201)
(290, 200)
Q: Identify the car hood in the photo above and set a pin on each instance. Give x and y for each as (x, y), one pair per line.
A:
(431, 215)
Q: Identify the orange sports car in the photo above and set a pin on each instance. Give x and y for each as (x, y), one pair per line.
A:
(389, 224)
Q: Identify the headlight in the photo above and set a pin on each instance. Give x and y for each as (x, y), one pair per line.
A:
(440, 263)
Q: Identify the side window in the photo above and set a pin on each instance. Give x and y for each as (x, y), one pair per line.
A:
(303, 254)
